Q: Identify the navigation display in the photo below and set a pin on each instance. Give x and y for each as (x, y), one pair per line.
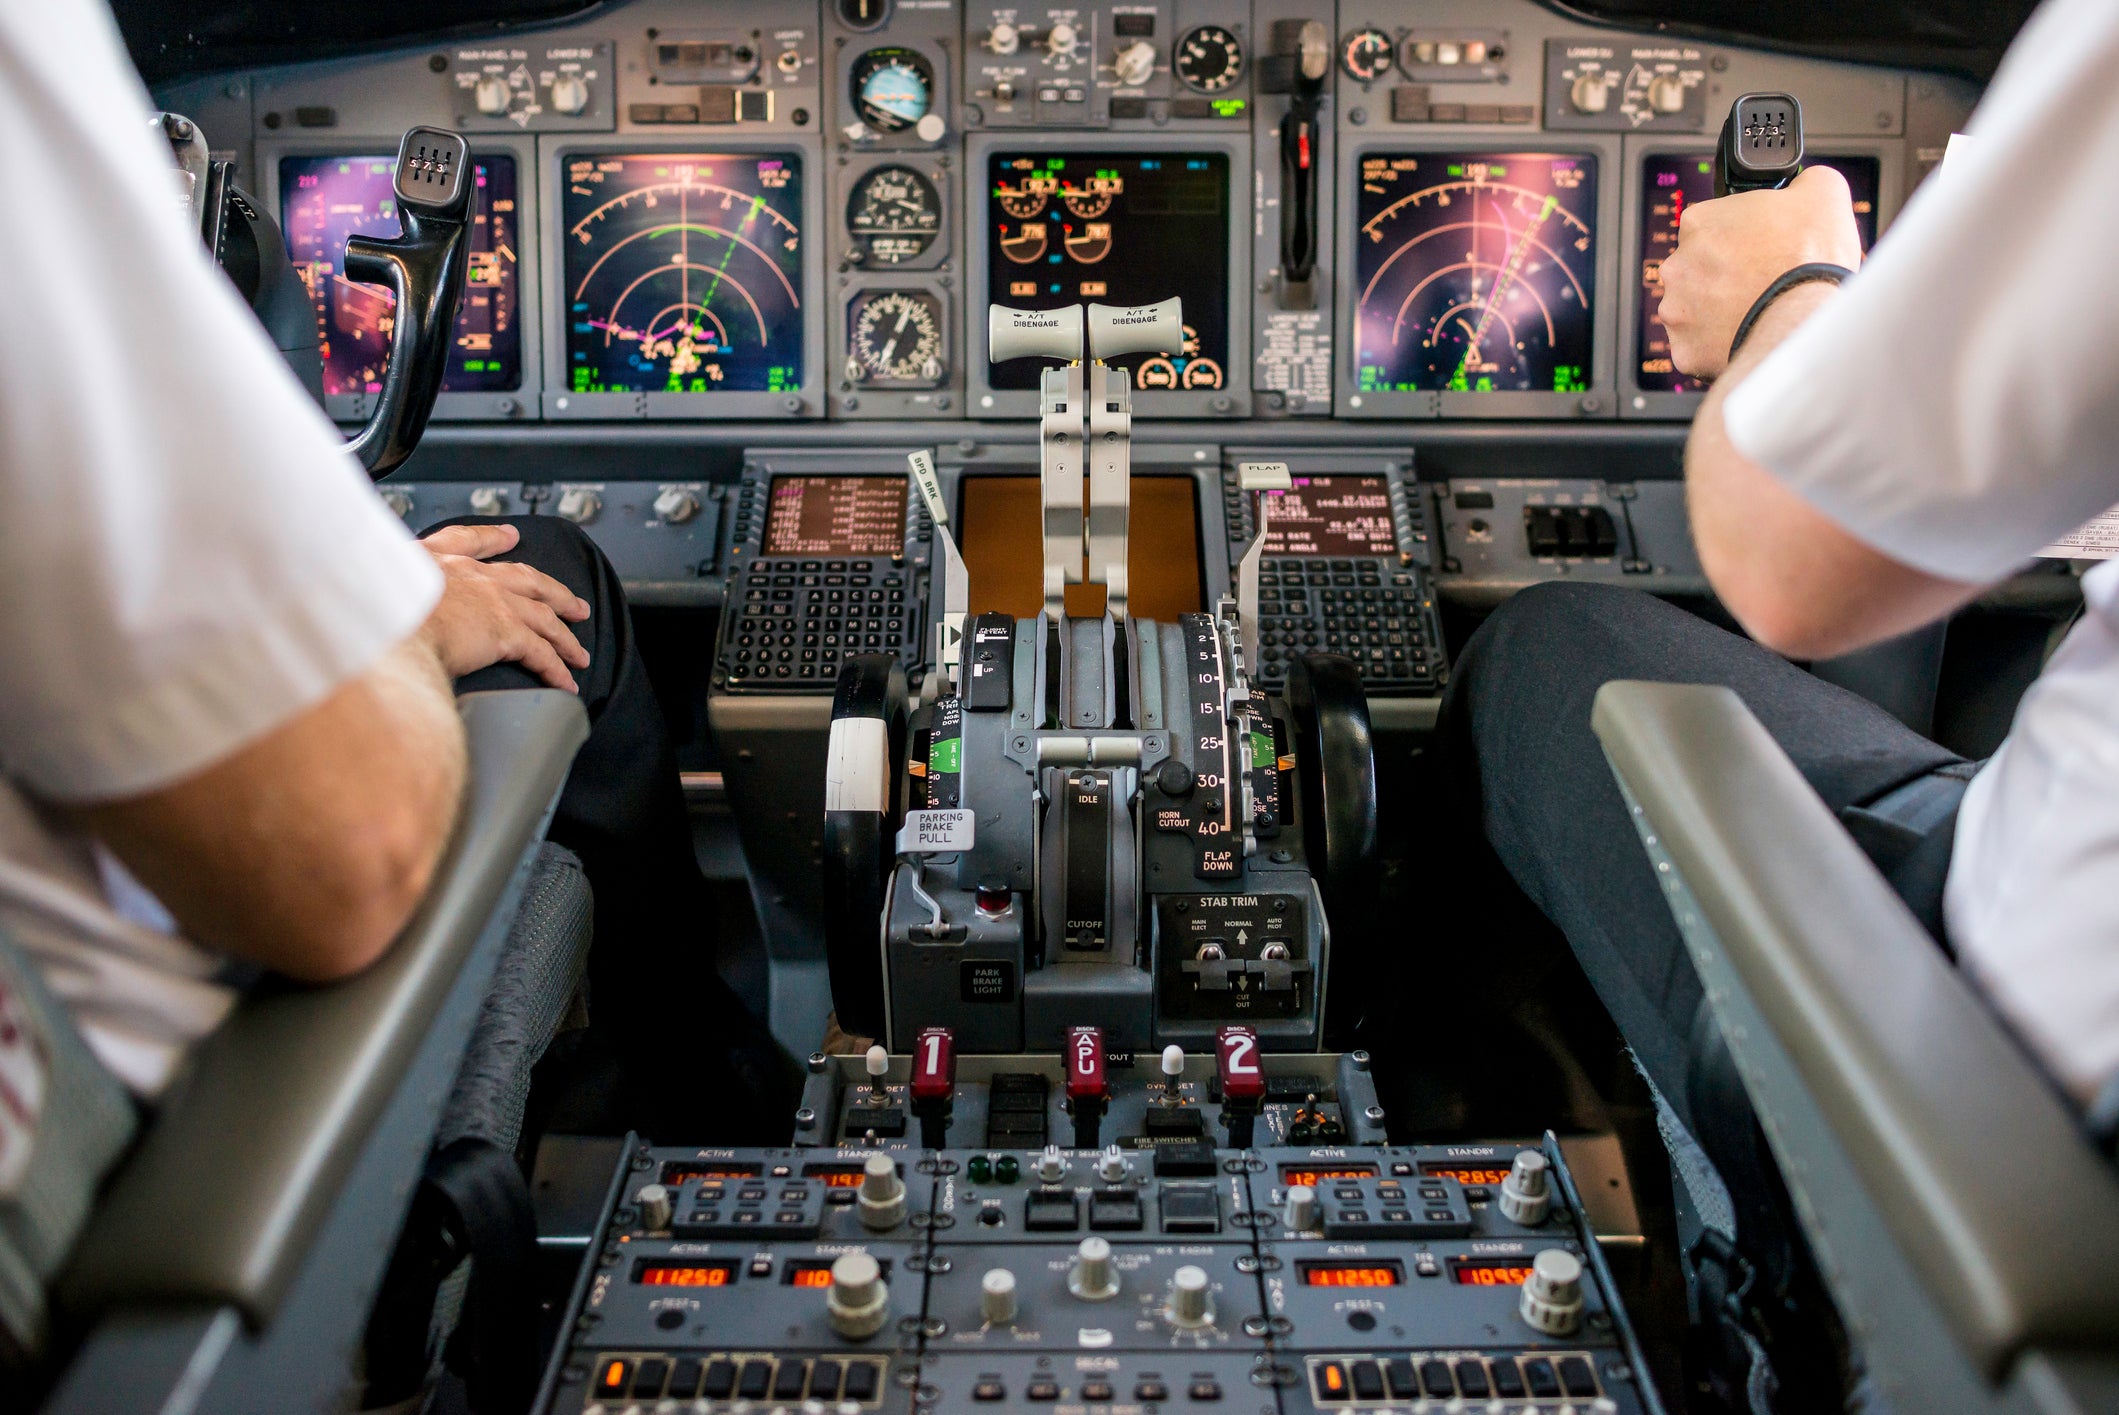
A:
(323, 200)
(836, 516)
(1475, 272)
(1116, 229)
(1342, 516)
(683, 273)
(1672, 181)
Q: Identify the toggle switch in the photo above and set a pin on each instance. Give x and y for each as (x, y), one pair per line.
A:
(1173, 1073)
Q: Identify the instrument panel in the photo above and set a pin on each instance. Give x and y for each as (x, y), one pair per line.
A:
(804, 213)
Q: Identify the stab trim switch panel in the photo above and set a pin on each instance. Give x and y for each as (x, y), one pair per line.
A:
(1570, 532)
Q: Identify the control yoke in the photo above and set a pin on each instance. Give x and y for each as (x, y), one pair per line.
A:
(424, 269)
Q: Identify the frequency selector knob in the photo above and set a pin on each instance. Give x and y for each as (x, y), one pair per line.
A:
(882, 1197)
(1526, 1195)
(997, 1297)
(1094, 1277)
(654, 1201)
(1301, 1211)
(492, 95)
(1135, 64)
(858, 1301)
(1191, 1301)
(1552, 1294)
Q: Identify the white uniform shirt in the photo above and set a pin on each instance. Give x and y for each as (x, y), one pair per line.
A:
(187, 556)
(1958, 408)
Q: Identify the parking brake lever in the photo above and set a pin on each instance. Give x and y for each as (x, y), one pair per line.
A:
(424, 269)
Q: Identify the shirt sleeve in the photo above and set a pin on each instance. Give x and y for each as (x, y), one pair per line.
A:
(1958, 406)
(188, 556)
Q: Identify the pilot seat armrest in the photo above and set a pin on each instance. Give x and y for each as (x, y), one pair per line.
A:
(239, 1167)
(1981, 1176)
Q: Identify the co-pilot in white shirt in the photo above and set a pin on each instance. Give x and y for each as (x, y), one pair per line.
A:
(187, 557)
(1958, 408)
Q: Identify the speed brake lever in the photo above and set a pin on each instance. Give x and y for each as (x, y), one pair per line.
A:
(1298, 157)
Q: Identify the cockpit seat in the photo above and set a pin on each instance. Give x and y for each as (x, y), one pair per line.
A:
(1964, 1221)
(231, 1260)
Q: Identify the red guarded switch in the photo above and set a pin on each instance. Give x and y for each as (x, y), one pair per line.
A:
(1243, 1077)
(933, 1064)
(1085, 1064)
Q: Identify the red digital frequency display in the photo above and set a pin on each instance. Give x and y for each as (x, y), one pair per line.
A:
(1332, 516)
(709, 1274)
(677, 1171)
(1351, 1274)
(807, 1273)
(835, 1176)
(1490, 1272)
(1314, 1175)
(1466, 1173)
(836, 516)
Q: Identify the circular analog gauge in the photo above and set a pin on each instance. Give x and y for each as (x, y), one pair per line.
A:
(1202, 373)
(894, 337)
(893, 88)
(1090, 242)
(1093, 198)
(1209, 58)
(863, 14)
(1156, 372)
(1026, 199)
(893, 215)
(1026, 244)
(1366, 55)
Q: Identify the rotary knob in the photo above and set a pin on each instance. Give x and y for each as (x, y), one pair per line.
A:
(1526, 1195)
(579, 505)
(1135, 64)
(1004, 38)
(1666, 93)
(1589, 93)
(492, 95)
(1552, 1294)
(676, 506)
(1060, 38)
(399, 502)
(997, 1297)
(570, 94)
(1191, 1301)
(488, 501)
(1051, 1165)
(858, 1300)
(1094, 1277)
(881, 1200)
(1301, 1211)
(655, 1207)
(1111, 1166)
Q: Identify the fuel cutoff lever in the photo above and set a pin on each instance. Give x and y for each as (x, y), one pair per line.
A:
(423, 268)
(1761, 145)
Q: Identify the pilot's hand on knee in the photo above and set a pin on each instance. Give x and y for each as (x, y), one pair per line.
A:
(1731, 249)
(492, 614)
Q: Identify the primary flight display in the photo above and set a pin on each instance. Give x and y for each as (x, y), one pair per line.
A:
(683, 272)
(326, 198)
(1118, 229)
(1475, 272)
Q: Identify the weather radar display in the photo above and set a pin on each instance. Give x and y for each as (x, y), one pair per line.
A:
(683, 273)
(1476, 272)
(325, 199)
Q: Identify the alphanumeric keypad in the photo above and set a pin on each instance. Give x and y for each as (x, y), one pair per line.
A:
(1379, 616)
(791, 622)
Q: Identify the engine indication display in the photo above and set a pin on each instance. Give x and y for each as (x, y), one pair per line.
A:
(1342, 515)
(1672, 181)
(1117, 229)
(324, 199)
(1475, 272)
(683, 272)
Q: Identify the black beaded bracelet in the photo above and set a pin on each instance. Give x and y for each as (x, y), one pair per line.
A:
(1788, 280)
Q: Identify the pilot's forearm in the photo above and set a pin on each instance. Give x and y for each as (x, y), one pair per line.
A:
(1789, 574)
